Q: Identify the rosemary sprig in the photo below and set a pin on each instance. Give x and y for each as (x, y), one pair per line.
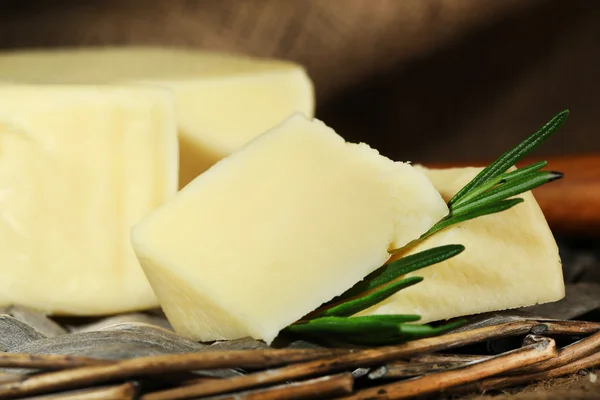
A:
(511, 157)
(406, 332)
(507, 177)
(491, 191)
(390, 272)
(355, 325)
(372, 329)
(351, 307)
(335, 319)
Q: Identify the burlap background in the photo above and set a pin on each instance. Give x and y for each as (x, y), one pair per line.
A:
(424, 80)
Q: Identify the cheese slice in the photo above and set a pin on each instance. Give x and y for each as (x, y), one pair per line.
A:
(223, 101)
(511, 260)
(78, 166)
(271, 232)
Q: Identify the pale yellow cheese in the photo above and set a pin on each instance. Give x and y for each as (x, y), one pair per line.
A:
(273, 231)
(511, 260)
(78, 166)
(223, 101)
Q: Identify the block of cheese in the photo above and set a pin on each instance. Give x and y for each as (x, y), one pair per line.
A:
(223, 101)
(271, 232)
(511, 260)
(78, 166)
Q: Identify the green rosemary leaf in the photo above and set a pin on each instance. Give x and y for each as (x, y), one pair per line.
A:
(339, 325)
(486, 209)
(366, 319)
(506, 177)
(517, 173)
(421, 331)
(353, 306)
(511, 157)
(509, 189)
(403, 266)
(395, 318)
(406, 332)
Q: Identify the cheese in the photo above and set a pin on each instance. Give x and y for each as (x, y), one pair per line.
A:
(271, 232)
(511, 260)
(223, 101)
(78, 166)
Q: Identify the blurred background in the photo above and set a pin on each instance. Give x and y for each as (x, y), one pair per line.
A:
(421, 80)
(428, 81)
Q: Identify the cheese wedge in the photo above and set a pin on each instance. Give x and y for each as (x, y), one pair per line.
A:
(223, 101)
(78, 166)
(271, 232)
(511, 260)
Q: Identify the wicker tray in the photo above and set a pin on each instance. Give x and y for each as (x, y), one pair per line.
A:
(138, 356)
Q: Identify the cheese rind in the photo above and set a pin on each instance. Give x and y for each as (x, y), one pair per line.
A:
(78, 166)
(276, 229)
(223, 101)
(511, 260)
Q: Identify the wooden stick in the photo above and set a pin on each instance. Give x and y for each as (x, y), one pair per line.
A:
(163, 364)
(7, 377)
(447, 357)
(124, 391)
(193, 381)
(566, 355)
(400, 370)
(329, 361)
(318, 388)
(362, 358)
(424, 364)
(435, 382)
(590, 361)
(48, 361)
(574, 328)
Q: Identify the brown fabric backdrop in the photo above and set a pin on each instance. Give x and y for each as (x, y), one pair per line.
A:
(422, 80)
